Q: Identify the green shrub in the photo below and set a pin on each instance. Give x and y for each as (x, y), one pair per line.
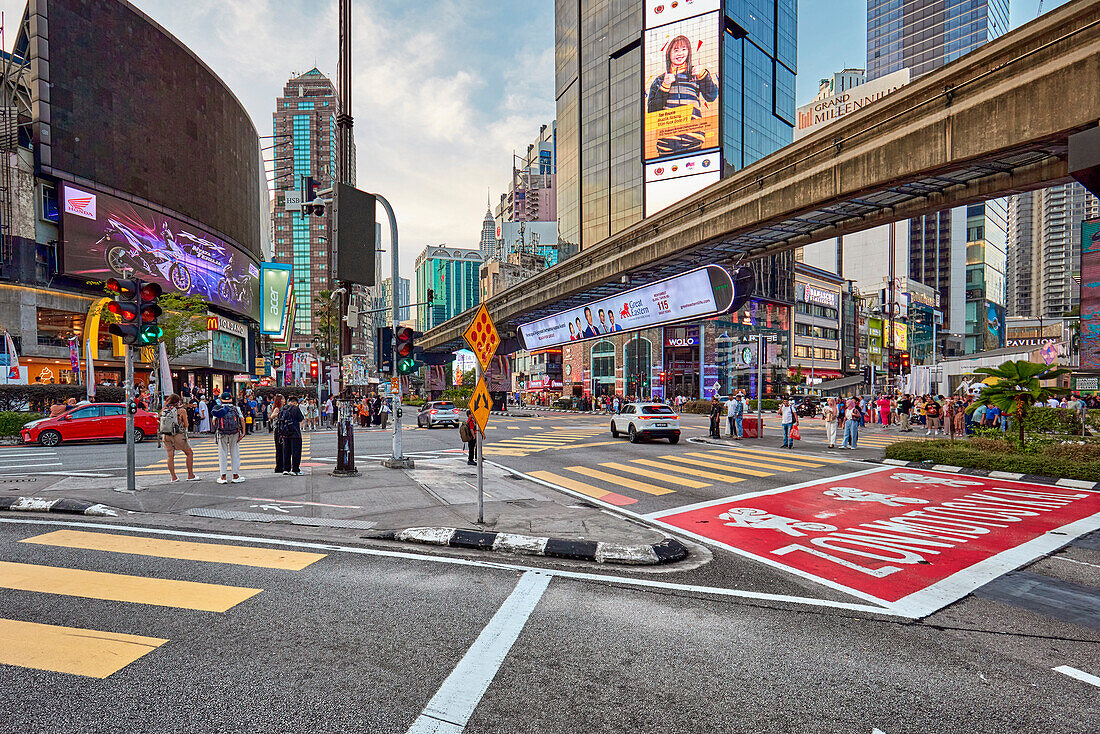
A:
(11, 421)
(1052, 420)
(965, 455)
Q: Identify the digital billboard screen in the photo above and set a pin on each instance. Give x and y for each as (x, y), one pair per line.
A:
(133, 110)
(681, 87)
(1090, 295)
(698, 293)
(104, 237)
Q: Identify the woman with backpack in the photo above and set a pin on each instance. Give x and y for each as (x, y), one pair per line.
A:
(228, 432)
(290, 426)
(173, 432)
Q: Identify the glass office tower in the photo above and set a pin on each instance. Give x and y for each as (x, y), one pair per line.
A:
(655, 101)
(642, 124)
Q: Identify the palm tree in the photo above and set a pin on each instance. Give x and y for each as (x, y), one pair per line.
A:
(1018, 387)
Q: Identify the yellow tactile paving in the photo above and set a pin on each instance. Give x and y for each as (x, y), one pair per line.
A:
(121, 587)
(92, 653)
(241, 555)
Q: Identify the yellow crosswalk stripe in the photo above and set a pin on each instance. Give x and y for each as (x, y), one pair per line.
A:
(620, 481)
(688, 483)
(92, 653)
(241, 555)
(778, 464)
(586, 489)
(723, 467)
(691, 471)
(121, 587)
(617, 442)
(786, 456)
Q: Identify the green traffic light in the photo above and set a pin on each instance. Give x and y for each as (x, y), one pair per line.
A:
(406, 365)
(151, 334)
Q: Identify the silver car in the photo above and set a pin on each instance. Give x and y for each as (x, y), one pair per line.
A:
(439, 413)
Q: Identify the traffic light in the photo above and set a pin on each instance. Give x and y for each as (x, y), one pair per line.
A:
(126, 308)
(431, 296)
(383, 349)
(406, 343)
(904, 362)
(311, 204)
(151, 332)
(277, 360)
(313, 369)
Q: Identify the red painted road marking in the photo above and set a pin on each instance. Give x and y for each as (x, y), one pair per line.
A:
(914, 539)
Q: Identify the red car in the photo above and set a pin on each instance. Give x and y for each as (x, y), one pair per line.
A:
(90, 422)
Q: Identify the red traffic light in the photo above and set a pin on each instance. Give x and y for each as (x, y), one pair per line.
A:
(150, 291)
(404, 341)
(124, 312)
(121, 287)
(312, 369)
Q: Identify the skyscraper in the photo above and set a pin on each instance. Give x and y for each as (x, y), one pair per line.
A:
(1044, 233)
(488, 244)
(655, 101)
(923, 35)
(628, 71)
(306, 146)
(404, 297)
(452, 272)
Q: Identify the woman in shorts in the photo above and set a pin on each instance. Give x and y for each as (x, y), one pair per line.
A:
(173, 433)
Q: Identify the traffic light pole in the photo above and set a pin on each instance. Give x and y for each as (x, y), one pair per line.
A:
(396, 460)
(131, 481)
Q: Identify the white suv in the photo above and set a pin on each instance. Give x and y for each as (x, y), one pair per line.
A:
(646, 420)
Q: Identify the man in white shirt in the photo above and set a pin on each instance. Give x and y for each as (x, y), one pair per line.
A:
(1053, 402)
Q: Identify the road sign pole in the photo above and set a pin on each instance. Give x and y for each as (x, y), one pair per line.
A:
(480, 461)
(396, 460)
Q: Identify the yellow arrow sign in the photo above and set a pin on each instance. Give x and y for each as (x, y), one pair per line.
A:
(481, 404)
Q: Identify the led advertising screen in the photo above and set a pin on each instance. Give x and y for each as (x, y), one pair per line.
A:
(1090, 295)
(699, 293)
(275, 281)
(105, 236)
(132, 109)
(994, 325)
(667, 182)
(681, 87)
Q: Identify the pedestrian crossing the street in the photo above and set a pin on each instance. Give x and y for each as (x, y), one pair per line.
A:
(619, 483)
(98, 653)
(257, 454)
(556, 438)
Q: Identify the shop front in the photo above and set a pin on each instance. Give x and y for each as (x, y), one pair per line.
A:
(682, 362)
(732, 349)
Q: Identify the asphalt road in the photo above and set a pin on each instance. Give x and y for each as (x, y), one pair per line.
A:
(356, 641)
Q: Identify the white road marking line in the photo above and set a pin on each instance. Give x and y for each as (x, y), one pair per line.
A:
(454, 703)
(454, 561)
(20, 464)
(1070, 560)
(1078, 674)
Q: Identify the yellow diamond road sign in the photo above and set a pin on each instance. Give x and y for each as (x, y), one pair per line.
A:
(482, 337)
(481, 404)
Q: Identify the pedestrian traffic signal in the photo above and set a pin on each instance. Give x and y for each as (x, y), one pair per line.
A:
(406, 344)
(312, 204)
(126, 308)
(431, 296)
(313, 369)
(904, 362)
(151, 332)
(383, 349)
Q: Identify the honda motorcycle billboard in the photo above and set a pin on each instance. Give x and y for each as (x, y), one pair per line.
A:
(106, 237)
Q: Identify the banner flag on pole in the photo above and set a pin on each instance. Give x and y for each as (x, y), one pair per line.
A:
(13, 357)
(166, 387)
(90, 369)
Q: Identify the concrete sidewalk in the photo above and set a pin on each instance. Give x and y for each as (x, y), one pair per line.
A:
(439, 492)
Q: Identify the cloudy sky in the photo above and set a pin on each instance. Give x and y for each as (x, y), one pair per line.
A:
(444, 90)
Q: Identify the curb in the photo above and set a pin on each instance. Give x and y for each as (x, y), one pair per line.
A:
(72, 507)
(667, 551)
(992, 474)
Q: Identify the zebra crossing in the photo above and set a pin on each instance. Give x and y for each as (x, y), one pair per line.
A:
(257, 453)
(95, 653)
(617, 482)
(28, 459)
(552, 438)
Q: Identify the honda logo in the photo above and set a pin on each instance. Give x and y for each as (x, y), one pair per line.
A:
(80, 203)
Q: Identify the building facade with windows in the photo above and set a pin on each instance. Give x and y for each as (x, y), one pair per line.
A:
(816, 340)
(306, 147)
(452, 273)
